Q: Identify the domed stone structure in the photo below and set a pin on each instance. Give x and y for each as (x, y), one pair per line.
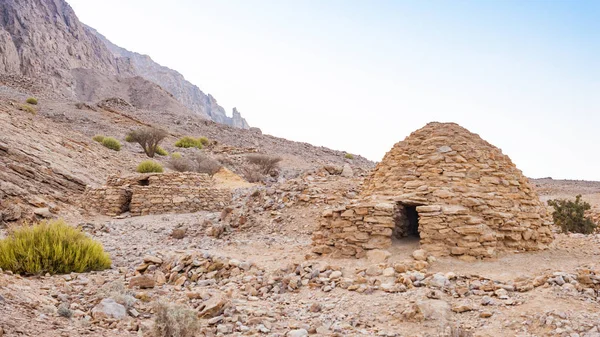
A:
(459, 194)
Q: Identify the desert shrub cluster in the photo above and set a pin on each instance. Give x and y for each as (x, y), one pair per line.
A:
(349, 156)
(161, 152)
(27, 108)
(149, 166)
(148, 138)
(51, 247)
(32, 101)
(174, 320)
(199, 162)
(111, 143)
(98, 138)
(188, 142)
(265, 163)
(570, 215)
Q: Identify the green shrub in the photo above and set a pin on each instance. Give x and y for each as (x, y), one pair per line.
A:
(161, 152)
(176, 155)
(129, 138)
(111, 143)
(349, 156)
(204, 141)
(51, 247)
(27, 108)
(149, 166)
(98, 138)
(570, 215)
(32, 101)
(187, 142)
(175, 320)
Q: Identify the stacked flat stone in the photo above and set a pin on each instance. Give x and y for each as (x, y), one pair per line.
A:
(157, 194)
(470, 197)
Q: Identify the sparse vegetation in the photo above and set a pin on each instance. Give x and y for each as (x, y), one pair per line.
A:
(98, 138)
(266, 164)
(148, 138)
(176, 155)
(204, 141)
(349, 156)
(174, 320)
(161, 152)
(200, 163)
(111, 143)
(149, 166)
(205, 164)
(118, 292)
(570, 215)
(51, 247)
(187, 142)
(27, 108)
(180, 164)
(32, 101)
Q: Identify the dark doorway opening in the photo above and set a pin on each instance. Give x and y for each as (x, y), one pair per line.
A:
(412, 218)
(144, 182)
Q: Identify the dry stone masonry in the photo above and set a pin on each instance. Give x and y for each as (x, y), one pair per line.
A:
(157, 194)
(458, 193)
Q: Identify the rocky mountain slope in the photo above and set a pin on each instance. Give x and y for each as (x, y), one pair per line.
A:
(172, 81)
(44, 39)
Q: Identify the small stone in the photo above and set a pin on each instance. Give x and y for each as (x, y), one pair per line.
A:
(420, 255)
(378, 255)
(315, 307)
(464, 307)
(152, 259)
(297, 333)
(335, 275)
(108, 308)
(178, 233)
(142, 281)
(485, 314)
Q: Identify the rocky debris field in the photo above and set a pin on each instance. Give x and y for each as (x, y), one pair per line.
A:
(257, 277)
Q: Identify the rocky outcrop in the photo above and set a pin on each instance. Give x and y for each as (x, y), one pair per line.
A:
(173, 82)
(44, 39)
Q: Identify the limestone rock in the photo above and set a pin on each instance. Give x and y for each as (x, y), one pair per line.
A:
(378, 255)
(142, 281)
(108, 308)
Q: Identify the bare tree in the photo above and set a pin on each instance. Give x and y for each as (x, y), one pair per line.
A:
(148, 138)
(265, 163)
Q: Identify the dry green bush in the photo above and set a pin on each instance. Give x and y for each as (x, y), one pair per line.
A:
(349, 156)
(251, 174)
(187, 142)
(175, 320)
(149, 166)
(180, 164)
(205, 164)
(204, 141)
(570, 215)
(98, 138)
(264, 163)
(161, 152)
(27, 108)
(111, 143)
(148, 138)
(32, 101)
(51, 247)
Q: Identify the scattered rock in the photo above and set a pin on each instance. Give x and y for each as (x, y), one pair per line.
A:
(108, 308)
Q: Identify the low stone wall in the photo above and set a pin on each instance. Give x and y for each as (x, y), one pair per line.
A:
(159, 200)
(106, 200)
(349, 231)
(156, 194)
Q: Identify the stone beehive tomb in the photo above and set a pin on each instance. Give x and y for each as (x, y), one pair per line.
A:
(157, 193)
(456, 192)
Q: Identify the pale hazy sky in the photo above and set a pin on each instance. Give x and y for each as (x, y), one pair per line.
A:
(360, 76)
